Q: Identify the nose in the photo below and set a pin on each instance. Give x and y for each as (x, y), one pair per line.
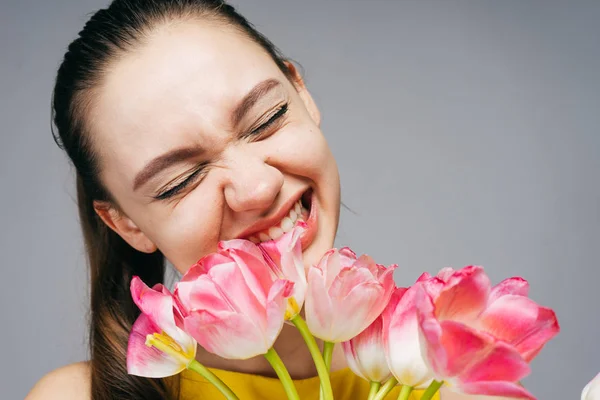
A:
(251, 183)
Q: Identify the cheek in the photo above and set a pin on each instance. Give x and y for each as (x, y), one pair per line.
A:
(191, 230)
(301, 149)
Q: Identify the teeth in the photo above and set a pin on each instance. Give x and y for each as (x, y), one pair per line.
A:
(286, 225)
(275, 232)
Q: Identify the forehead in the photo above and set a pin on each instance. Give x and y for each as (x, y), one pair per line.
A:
(178, 86)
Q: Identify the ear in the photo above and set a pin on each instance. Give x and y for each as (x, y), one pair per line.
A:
(307, 99)
(124, 227)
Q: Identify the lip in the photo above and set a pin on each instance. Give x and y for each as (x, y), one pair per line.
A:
(266, 223)
(311, 223)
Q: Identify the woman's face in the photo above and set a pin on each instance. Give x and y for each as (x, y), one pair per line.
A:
(202, 138)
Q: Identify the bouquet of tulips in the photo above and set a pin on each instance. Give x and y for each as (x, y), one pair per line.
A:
(451, 329)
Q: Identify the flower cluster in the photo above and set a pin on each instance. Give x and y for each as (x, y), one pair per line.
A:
(453, 329)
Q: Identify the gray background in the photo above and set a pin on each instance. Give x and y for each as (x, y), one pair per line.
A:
(466, 133)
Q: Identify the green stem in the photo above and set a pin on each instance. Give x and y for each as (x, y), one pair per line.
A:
(386, 388)
(431, 390)
(212, 378)
(283, 374)
(316, 355)
(328, 354)
(405, 392)
(374, 389)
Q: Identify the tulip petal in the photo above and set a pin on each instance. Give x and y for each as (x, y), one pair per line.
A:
(148, 361)
(353, 360)
(347, 279)
(401, 339)
(464, 295)
(158, 304)
(317, 303)
(355, 311)
(591, 391)
(276, 306)
(497, 390)
(285, 255)
(366, 300)
(330, 266)
(204, 265)
(364, 261)
(230, 281)
(515, 285)
(461, 354)
(499, 362)
(365, 353)
(348, 256)
(520, 322)
(430, 335)
(226, 334)
(259, 277)
(202, 293)
(390, 309)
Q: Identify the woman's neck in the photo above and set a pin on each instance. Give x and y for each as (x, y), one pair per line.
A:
(291, 348)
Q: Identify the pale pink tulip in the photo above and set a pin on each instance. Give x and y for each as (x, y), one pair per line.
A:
(591, 391)
(161, 318)
(401, 337)
(233, 304)
(365, 353)
(345, 294)
(475, 338)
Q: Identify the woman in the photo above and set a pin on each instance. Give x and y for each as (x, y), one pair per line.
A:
(186, 126)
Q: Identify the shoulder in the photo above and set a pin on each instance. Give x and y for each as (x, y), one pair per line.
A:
(71, 382)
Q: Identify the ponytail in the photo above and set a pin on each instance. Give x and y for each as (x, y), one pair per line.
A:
(112, 264)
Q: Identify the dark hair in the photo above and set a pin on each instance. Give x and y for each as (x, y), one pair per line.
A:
(109, 33)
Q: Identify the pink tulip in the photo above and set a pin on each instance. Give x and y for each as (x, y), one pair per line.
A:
(475, 338)
(284, 255)
(161, 318)
(516, 319)
(401, 337)
(233, 304)
(591, 391)
(365, 353)
(345, 294)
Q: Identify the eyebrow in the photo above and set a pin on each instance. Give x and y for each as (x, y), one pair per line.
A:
(164, 161)
(183, 154)
(252, 98)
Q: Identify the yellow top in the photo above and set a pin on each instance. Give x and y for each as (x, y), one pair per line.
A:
(346, 386)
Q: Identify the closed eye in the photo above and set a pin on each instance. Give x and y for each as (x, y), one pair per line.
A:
(274, 118)
(173, 191)
(179, 187)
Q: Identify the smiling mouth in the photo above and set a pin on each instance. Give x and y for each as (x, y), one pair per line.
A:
(300, 211)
